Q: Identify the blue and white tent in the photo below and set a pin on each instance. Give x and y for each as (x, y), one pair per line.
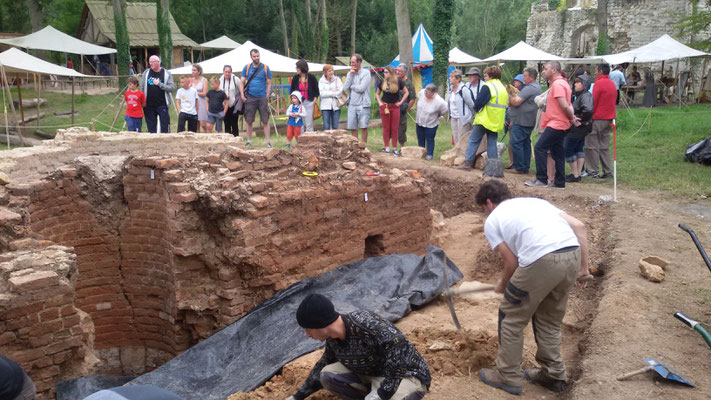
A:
(422, 50)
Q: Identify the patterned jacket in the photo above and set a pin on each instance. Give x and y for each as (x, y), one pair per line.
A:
(373, 347)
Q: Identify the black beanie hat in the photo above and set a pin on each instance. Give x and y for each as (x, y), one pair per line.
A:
(315, 312)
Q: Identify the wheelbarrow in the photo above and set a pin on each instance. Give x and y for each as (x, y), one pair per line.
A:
(661, 369)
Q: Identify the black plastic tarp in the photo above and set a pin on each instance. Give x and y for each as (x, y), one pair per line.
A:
(699, 152)
(245, 354)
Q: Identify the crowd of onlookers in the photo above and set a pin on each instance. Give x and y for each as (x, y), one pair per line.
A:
(573, 123)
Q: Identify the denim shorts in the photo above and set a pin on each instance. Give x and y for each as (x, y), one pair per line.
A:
(358, 117)
(212, 118)
(574, 149)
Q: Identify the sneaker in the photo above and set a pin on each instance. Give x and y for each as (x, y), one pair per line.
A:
(386, 151)
(535, 183)
(269, 145)
(554, 186)
(606, 176)
(428, 158)
(518, 172)
(247, 144)
(396, 153)
(288, 146)
(594, 176)
(493, 378)
(584, 174)
(573, 178)
(535, 376)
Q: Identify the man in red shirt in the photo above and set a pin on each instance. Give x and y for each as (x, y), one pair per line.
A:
(555, 121)
(597, 142)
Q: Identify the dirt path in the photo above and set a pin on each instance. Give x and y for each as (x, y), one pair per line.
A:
(609, 327)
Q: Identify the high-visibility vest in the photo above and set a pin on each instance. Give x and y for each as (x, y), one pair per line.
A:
(493, 114)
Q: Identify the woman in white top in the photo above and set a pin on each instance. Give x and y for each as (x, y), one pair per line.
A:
(430, 108)
(330, 86)
(460, 116)
(199, 83)
(232, 86)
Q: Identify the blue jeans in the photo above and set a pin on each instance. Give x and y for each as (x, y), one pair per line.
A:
(330, 119)
(475, 137)
(426, 137)
(133, 124)
(151, 114)
(521, 147)
(550, 140)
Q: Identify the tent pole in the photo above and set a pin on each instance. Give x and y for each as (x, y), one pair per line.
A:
(37, 82)
(81, 62)
(3, 80)
(676, 83)
(72, 101)
(22, 112)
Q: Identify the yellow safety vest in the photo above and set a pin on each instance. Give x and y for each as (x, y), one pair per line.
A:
(493, 114)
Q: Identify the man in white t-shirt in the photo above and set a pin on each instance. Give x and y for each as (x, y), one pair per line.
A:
(544, 251)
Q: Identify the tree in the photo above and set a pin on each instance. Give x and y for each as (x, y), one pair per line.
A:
(323, 50)
(35, 7)
(165, 40)
(123, 45)
(353, 25)
(283, 25)
(696, 23)
(441, 40)
(404, 34)
(603, 41)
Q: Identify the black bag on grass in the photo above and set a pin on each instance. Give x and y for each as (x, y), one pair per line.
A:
(699, 152)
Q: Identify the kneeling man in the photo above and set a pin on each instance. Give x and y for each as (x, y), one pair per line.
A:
(544, 251)
(366, 356)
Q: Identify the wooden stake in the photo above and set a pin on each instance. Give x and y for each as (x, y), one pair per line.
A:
(117, 114)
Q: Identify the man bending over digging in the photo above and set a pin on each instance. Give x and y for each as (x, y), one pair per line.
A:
(544, 251)
(366, 357)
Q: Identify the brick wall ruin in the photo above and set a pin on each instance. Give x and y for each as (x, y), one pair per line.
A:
(119, 251)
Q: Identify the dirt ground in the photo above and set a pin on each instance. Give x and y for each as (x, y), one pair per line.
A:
(610, 326)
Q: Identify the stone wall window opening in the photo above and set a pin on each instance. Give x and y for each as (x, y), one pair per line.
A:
(374, 246)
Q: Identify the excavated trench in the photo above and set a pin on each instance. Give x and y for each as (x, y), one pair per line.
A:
(454, 357)
(116, 258)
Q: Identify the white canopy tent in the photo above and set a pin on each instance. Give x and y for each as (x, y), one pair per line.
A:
(221, 43)
(663, 49)
(458, 57)
(239, 57)
(18, 62)
(51, 39)
(522, 51)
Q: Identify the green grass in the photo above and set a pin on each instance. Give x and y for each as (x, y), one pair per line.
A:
(648, 159)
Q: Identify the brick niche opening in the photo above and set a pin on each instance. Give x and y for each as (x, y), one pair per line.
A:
(119, 251)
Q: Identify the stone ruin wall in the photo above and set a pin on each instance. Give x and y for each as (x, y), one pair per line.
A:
(119, 251)
(630, 24)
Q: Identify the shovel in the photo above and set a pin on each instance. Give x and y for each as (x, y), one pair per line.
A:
(697, 243)
(661, 369)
